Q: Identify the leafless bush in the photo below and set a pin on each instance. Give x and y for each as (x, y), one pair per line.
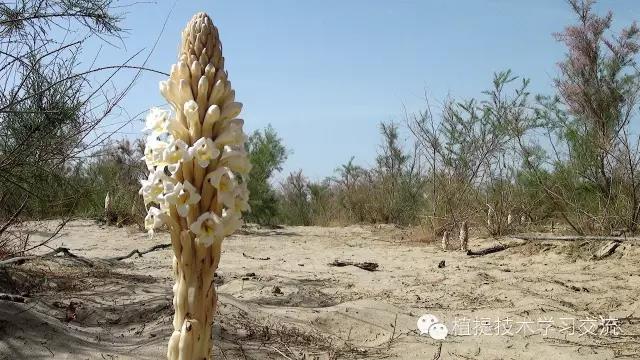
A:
(352, 186)
(390, 192)
(296, 200)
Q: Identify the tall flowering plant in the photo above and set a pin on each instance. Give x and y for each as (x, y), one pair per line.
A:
(197, 183)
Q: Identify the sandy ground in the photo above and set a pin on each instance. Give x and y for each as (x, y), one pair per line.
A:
(536, 301)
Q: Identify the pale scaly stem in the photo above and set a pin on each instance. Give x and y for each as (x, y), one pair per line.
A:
(194, 212)
(184, 275)
(215, 206)
(187, 170)
(189, 332)
(203, 101)
(198, 176)
(216, 251)
(208, 297)
(207, 195)
(216, 248)
(197, 293)
(183, 223)
(213, 165)
(201, 297)
(173, 222)
(174, 344)
(178, 175)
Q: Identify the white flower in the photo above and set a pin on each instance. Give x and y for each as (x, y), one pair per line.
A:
(223, 180)
(165, 206)
(236, 160)
(153, 151)
(204, 151)
(176, 152)
(182, 195)
(175, 128)
(208, 228)
(153, 187)
(153, 220)
(240, 199)
(232, 134)
(231, 221)
(156, 120)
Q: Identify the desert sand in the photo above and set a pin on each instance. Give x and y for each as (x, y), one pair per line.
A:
(280, 299)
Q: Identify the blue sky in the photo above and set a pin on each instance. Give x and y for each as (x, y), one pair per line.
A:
(324, 74)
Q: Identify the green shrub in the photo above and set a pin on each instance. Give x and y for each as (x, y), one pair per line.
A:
(267, 154)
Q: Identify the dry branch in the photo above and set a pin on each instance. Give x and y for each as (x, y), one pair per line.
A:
(486, 251)
(436, 356)
(573, 238)
(369, 266)
(65, 251)
(140, 253)
(46, 241)
(13, 217)
(255, 258)
(493, 249)
(14, 298)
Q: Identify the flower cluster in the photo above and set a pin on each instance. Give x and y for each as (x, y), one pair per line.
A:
(196, 155)
(223, 161)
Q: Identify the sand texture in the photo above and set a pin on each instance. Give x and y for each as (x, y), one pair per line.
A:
(280, 299)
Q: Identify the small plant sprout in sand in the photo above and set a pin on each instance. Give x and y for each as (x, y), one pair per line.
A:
(197, 179)
(445, 240)
(464, 236)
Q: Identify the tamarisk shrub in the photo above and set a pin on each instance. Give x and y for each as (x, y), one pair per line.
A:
(197, 183)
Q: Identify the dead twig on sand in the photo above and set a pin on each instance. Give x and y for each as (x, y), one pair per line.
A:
(369, 266)
(393, 334)
(255, 258)
(280, 352)
(564, 342)
(43, 243)
(18, 260)
(492, 249)
(573, 238)
(14, 298)
(436, 356)
(140, 253)
(605, 251)
(571, 287)
(63, 250)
